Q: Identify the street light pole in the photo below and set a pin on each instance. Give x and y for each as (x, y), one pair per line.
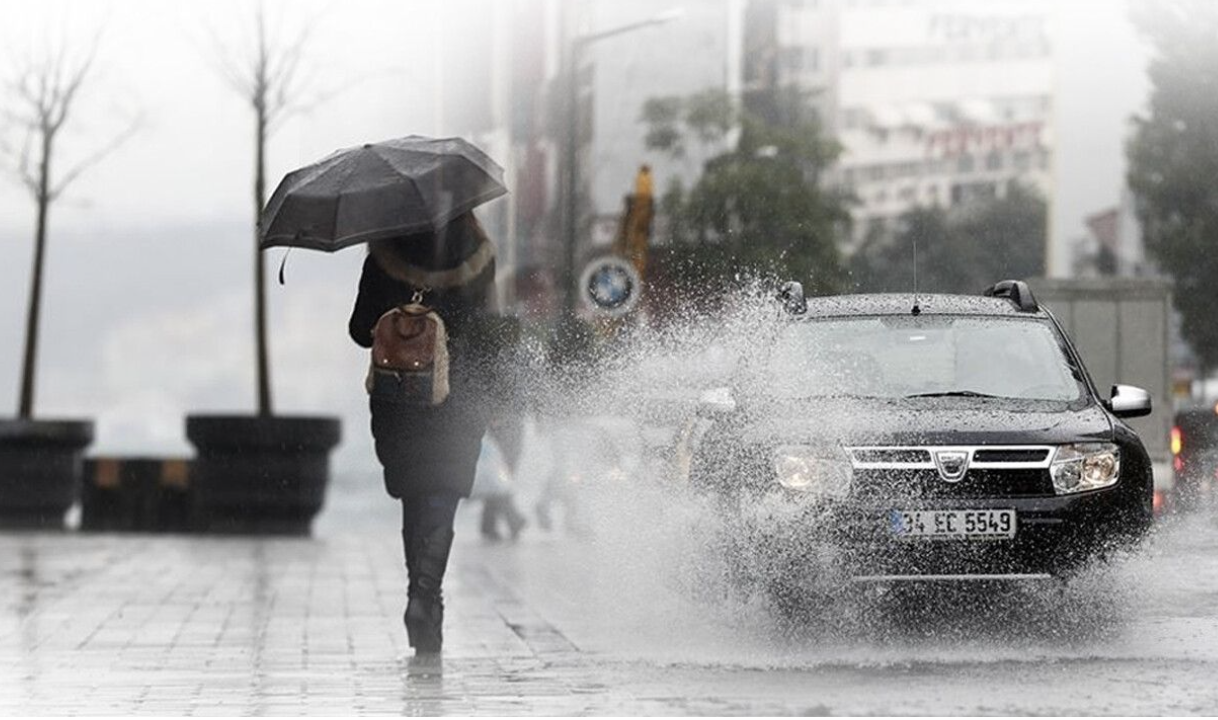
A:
(570, 210)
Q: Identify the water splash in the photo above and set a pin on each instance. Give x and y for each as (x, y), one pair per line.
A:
(668, 576)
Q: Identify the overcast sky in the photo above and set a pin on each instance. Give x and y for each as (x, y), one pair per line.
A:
(146, 306)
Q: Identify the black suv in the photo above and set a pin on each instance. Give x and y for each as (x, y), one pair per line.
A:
(943, 437)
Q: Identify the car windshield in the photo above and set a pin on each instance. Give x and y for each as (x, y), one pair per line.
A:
(904, 356)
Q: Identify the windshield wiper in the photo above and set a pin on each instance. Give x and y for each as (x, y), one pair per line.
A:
(953, 393)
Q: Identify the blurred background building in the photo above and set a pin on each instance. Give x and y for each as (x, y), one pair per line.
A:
(1112, 243)
(934, 101)
(495, 88)
(505, 89)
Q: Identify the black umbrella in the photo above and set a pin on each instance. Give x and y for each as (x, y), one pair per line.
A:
(379, 190)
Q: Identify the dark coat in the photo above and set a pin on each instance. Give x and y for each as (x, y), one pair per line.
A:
(426, 449)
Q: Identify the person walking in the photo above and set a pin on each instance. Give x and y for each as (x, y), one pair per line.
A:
(429, 451)
(501, 449)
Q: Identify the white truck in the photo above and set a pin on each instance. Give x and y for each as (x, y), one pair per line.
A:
(1121, 328)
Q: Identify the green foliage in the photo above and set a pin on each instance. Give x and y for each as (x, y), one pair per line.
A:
(758, 208)
(1173, 161)
(962, 251)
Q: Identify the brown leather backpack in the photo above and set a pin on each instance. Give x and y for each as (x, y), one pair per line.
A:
(409, 356)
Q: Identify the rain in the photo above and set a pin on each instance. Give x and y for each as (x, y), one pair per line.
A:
(578, 357)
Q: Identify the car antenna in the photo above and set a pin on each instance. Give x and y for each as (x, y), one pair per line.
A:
(917, 310)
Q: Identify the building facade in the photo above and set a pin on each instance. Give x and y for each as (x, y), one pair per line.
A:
(495, 78)
(505, 85)
(935, 102)
(698, 49)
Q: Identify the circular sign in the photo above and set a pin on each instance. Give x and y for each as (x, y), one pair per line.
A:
(610, 285)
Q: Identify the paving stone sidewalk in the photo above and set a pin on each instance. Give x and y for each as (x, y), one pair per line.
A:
(152, 624)
(103, 624)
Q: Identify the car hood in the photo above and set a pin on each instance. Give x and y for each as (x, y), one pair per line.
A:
(937, 421)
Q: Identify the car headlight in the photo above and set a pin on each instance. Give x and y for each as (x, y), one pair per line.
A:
(807, 470)
(1085, 466)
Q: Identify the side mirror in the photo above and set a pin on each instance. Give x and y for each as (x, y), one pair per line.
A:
(1128, 401)
(792, 296)
(716, 402)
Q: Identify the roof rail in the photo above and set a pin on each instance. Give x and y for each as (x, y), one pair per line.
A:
(1017, 292)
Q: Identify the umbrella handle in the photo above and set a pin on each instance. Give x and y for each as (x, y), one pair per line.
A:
(282, 264)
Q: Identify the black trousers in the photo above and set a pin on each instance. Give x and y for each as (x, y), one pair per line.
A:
(427, 538)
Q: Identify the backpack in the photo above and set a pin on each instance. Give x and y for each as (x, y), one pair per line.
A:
(409, 356)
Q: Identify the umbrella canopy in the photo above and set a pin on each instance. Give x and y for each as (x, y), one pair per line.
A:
(379, 190)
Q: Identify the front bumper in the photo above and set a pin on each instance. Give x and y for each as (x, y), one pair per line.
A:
(854, 539)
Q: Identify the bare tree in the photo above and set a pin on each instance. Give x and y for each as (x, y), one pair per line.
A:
(268, 77)
(44, 91)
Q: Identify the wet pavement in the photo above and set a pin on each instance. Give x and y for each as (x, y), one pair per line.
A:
(624, 621)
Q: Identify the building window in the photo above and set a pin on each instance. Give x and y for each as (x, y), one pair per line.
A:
(855, 118)
(800, 59)
(993, 161)
(972, 192)
(965, 164)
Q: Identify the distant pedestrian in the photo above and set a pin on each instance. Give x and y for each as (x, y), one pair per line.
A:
(494, 482)
(571, 361)
(429, 449)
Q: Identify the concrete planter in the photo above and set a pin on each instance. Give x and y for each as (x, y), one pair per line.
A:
(260, 475)
(40, 470)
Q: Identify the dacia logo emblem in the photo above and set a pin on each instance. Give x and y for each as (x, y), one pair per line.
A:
(952, 464)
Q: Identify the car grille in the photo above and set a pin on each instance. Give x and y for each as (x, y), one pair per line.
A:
(1010, 455)
(915, 484)
(891, 455)
(913, 473)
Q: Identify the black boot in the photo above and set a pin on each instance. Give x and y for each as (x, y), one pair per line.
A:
(427, 559)
(424, 624)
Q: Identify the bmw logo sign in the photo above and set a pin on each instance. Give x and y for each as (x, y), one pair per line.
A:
(610, 285)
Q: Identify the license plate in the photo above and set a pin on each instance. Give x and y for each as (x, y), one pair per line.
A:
(952, 524)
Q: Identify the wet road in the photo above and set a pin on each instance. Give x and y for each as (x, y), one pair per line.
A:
(628, 619)
(1140, 637)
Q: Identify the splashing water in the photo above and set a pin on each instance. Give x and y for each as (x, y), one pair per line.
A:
(656, 569)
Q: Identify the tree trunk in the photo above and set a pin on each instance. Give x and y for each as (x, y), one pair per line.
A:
(28, 367)
(264, 377)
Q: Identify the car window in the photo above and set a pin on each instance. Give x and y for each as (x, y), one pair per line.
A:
(899, 357)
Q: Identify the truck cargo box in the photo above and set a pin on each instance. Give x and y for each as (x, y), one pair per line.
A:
(1120, 327)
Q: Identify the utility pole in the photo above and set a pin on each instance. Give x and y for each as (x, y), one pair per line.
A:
(570, 176)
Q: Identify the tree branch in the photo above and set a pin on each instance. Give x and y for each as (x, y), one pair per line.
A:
(67, 89)
(97, 156)
(232, 72)
(17, 162)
